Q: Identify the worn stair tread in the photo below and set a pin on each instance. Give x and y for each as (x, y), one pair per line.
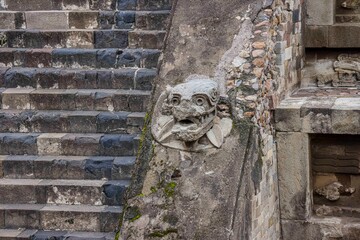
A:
(59, 191)
(91, 38)
(75, 99)
(61, 217)
(79, 58)
(58, 121)
(86, 144)
(41, 234)
(66, 167)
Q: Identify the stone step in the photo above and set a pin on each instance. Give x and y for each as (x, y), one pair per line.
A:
(53, 78)
(88, 38)
(60, 217)
(70, 19)
(347, 18)
(38, 5)
(70, 144)
(66, 167)
(70, 121)
(24, 234)
(75, 99)
(79, 58)
(66, 192)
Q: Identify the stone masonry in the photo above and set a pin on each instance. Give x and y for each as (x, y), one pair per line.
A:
(75, 79)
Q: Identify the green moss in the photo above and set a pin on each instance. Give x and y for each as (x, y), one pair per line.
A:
(153, 189)
(169, 189)
(132, 214)
(160, 234)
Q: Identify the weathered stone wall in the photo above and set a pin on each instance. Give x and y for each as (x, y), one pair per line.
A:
(256, 57)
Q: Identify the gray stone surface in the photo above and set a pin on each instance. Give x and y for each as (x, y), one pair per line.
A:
(46, 20)
(294, 175)
(320, 12)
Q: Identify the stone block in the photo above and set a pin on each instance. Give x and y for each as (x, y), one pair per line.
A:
(38, 58)
(124, 78)
(138, 102)
(80, 145)
(107, 58)
(84, 100)
(71, 4)
(109, 218)
(20, 78)
(103, 4)
(75, 192)
(12, 189)
(294, 175)
(50, 143)
(20, 22)
(144, 79)
(320, 12)
(111, 39)
(150, 58)
(22, 218)
(114, 192)
(45, 235)
(317, 36)
(117, 145)
(6, 58)
(48, 122)
(46, 20)
(316, 115)
(83, 20)
(125, 20)
(40, 39)
(80, 39)
(344, 36)
(106, 19)
(7, 20)
(146, 39)
(74, 218)
(19, 167)
(71, 58)
(108, 122)
(105, 79)
(61, 167)
(16, 98)
(53, 99)
(80, 79)
(287, 115)
(123, 167)
(98, 167)
(126, 4)
(152, 20)
(47, 78)
(154, 4)
(299, 230)
(30, 5)
(14, 39)
(103, 101)
(82, 122)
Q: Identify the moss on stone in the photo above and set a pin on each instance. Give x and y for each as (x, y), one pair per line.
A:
(169, 189)
(160, 234)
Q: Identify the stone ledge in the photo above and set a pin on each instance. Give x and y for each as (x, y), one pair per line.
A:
(319, 114)
(342, 35)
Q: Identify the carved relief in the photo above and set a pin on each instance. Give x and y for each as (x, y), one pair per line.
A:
(191, 116)
(347, 72)
(351, 4)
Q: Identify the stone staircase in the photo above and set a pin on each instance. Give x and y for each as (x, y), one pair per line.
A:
(75, 78)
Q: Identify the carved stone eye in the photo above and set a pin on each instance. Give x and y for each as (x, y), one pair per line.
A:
(199, 100)
(175, 100)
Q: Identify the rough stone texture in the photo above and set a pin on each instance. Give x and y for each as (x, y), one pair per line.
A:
(294, 175)
(46, 20)
(320, 12)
